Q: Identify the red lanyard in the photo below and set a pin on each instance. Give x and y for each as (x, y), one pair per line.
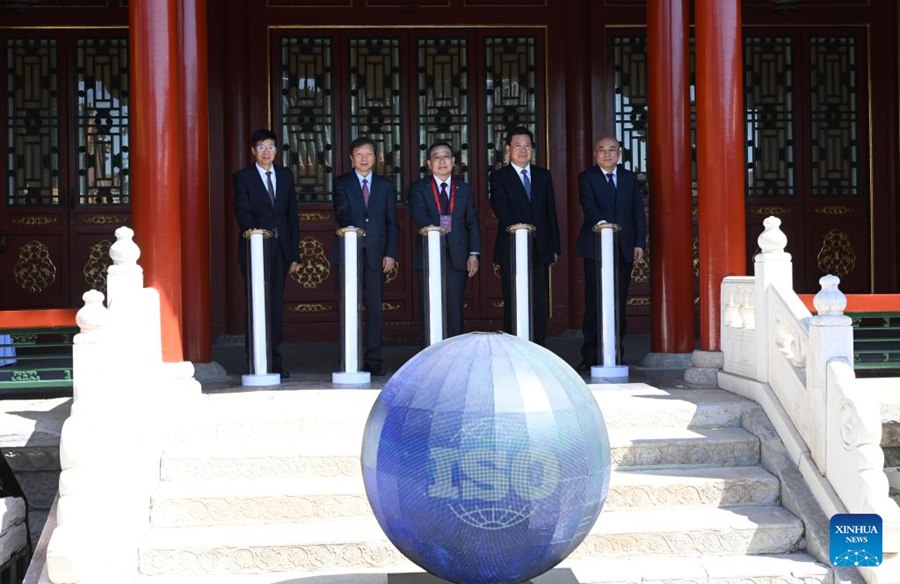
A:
(437, 200)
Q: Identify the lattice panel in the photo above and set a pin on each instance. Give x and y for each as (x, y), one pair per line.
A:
(769, 103)
(101, 80)
(510, 92)
(833, 116)
(443, 93)
(32, 110)
(307, 114)
(375, 101)
(631, 93)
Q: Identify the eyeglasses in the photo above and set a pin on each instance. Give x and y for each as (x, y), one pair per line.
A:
(264, 148)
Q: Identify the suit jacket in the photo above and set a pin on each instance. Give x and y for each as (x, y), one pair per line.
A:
(511, 205)
(622, 205)
(464, 237)
(379, 219)
(254, 210)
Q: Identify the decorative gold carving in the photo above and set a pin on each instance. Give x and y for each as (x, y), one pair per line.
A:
(95, 268)
(497, 303)
(833, 210)
(311, 308)
(32, 220)
(34, 270)
(496, 269)
(314, 217)
(314, 265)
(640, 273)
(392, 275)
(638, 301)
(104, 219)
(770, 210)
(24, 339)
(695, 254)
(836, 255)
(389, 307)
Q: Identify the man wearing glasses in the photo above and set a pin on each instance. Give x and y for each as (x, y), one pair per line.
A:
(264, 199)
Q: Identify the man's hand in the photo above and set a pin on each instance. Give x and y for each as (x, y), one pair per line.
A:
(555, 258)
(638, 254)
(295, 267)
(387, 264)
(472, 265)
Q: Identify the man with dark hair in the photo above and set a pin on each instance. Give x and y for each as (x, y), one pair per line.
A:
(608, 192)
(445, 201)
(264, 199)
(523, 193)
(366, 200)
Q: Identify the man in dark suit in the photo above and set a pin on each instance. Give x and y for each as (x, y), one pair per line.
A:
(366, 200)
(264, 199)
(523, 193)
(444, 201)
(610, 193)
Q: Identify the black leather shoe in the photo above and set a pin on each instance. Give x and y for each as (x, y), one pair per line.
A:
(284, 374)
(583, 367)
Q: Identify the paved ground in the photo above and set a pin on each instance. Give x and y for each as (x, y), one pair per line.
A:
(311, 364)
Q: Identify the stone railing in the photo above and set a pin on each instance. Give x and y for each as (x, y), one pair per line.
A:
(124, 400)
(799, 368)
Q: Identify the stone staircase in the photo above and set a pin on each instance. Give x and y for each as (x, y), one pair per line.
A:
(265, 487)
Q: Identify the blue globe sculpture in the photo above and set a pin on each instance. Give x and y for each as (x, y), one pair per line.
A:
(486, 459)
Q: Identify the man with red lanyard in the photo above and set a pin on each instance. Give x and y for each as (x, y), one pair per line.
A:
(446, 201)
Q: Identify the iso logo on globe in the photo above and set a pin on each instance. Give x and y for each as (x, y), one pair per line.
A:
(487, 474)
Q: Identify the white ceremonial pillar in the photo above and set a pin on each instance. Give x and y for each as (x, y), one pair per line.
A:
(435, 308)
(259, 321)
(520, 250)
(350, 241)
(608, 331)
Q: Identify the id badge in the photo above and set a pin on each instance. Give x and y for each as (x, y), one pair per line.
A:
(446, 222)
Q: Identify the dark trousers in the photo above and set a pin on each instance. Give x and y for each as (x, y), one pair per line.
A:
(591, 304)
(373, 293)
(454, 298)
(539, 293)
(276, 276)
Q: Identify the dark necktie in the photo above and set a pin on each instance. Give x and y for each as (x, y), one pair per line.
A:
(527, 182)
(365, 192)
(609, 179)
(445, 201)
(270, 187)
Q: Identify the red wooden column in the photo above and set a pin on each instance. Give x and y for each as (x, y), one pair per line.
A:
(156, 157)
(195, 181)
(720, 155)
(671, 288)
(236, 105)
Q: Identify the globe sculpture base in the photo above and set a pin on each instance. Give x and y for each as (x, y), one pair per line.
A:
(486, 459)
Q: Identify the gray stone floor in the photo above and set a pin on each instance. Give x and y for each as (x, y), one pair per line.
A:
(311, 364)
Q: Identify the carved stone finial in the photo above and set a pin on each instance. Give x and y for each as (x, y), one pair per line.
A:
(124, 250)
(830, 301)
(772, 239)
(93, 314)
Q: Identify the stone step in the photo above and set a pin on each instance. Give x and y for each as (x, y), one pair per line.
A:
(318, 413)
(258, 501)
(770, 569)
(638, 405)
(641, 448)
(668, 447)
(349, 545)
